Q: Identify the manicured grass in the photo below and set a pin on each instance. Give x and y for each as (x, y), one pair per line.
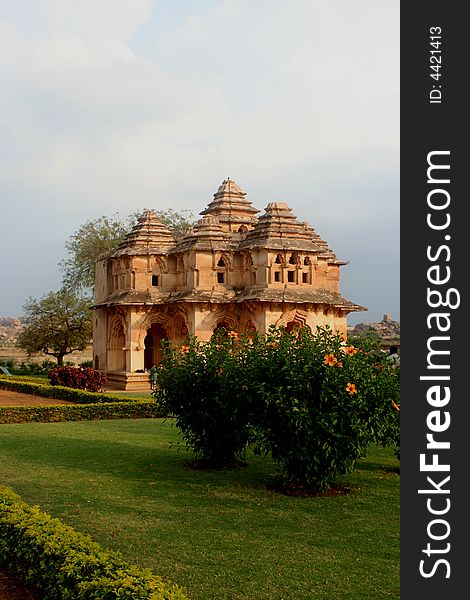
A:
(141, 395)
(219, 534)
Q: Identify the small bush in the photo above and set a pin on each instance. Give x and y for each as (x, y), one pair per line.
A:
(78, 378)
(196, 384)
(323, 402)
(313, 402)
(8, 363)
(31, 368)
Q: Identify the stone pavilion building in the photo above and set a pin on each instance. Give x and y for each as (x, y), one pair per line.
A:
(235, 269)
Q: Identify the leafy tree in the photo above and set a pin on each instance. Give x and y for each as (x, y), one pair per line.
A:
(102, 236)
(91, 240)
(58, 324)
(178, 222)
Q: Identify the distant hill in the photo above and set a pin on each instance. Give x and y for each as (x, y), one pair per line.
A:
(387, 329)
(9, 329)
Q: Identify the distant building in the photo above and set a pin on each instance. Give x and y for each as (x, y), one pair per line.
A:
(388, 330)
(234, 269)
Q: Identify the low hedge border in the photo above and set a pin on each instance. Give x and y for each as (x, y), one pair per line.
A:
(59, 392)
(145, 409)
(25, 378)
(61, 563)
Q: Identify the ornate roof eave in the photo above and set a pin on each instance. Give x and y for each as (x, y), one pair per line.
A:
(142, 251)
(215, 296)
(295, 296)
(206, 246)
(286, 244)
(131, 298)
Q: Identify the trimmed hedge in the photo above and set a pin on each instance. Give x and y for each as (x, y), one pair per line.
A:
(25, 378)
(58, 392)
(145, 409)
(61, 563)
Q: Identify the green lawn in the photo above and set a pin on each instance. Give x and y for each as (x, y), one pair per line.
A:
(221, 535)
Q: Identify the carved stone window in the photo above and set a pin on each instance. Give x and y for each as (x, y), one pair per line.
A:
(221, 271)
(307, 271)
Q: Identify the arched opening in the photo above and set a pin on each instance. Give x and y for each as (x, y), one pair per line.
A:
(153, 345)
(157, 273)
(181, 332)
(292, 268)
(222, 271)
(117, 353)
(307, 271)
(222, 326)
(276, 271)
(249, 330)
(184, 334)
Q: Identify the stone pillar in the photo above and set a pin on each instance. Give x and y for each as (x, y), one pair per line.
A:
(203, 322)
(135, 347)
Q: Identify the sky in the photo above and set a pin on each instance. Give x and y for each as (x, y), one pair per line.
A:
(108, 107)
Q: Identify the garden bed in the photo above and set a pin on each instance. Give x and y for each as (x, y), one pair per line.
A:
(10, 398)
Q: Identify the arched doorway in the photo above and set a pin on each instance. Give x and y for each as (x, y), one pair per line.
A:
(117, 354)
(222, 326)
(153, 345)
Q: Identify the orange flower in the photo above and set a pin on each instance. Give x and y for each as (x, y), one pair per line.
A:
(395, 405)
(339, 364)
(272, 345)
(351, 388)
(184, 349)
(233, 335)
(344, 337)
(330, 360)
(349, 350)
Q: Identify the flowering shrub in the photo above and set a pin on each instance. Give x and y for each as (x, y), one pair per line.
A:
(78, 377)
(198, 384)
(313, 402)
(322, 404)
